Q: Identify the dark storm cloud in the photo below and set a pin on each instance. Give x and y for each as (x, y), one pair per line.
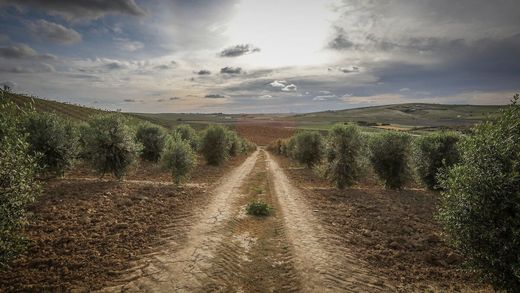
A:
(203, 72)
(81, 9)
(53, 32)
(231, 70)
(486, 64)
(215, 96)
(170, 65)
(115, 65)
(22, 51)
(239, 50)
(340, 41)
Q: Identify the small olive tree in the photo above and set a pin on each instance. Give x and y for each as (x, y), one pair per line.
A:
(55, 138)
(343, 155)
(234, 143)
(308, 148)
(480, 207)
(390, 157)
(152, 137)
(189, 134)
(111, 144)
(178, 157)
(18, 185)
(214, 145)
(434, 152)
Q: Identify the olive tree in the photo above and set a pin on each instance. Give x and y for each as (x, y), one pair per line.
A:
(214, 145)
(343, 155)
(178, 157)
(390, 154)
(18, 185)
(189, 134)
(433, 153)
(480, 207)
(55, 138)
(152, 138)
(111, 144)
(308, 148)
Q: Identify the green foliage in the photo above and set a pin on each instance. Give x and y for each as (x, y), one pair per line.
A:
(480, 207)
(186, 132)
(83, 130)
(433, 153)
(390, 157)
(343, 155)
(288, 148)
(55, 138)
(276, 146)
(152, 137)
(247, 146)
(308, 148)
(111, 145)
(234, 143)
(214, 146)
(258, 208)
(178, 157)
(18, 187)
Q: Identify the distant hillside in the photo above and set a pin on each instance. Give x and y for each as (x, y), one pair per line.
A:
(416, 115)
(401, 116)
(73, 111)
(76, 112)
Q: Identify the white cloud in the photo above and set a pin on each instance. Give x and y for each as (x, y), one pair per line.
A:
(290, 88)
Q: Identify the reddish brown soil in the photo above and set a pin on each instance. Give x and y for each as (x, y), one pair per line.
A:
(83, 232)
(264, 132)
(393, 231)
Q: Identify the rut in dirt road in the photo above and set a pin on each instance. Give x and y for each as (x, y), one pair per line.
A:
(178, 267)
(321, 265)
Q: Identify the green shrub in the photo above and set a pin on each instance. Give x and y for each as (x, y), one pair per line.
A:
(258, 208)
(178, 157)
(480, 208)
(288, 148)
(247, 146)
(83, 130)
(234, 143)
(390, 158)
(186, 132)
(343, 155)
(434, 152)
(308, 148)
(55, 138)
(276, 146)
(111, 144)
(214, 146)
(18, 186)
(152, 138)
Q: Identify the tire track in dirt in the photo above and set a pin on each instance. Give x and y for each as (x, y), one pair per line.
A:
(254, 256)
(179, 266)
(323, 266)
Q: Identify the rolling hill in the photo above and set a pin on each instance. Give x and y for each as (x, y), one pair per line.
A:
(400, 116)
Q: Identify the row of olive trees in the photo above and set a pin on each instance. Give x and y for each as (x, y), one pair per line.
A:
(112, 145)
(345, 153)
(478, 175)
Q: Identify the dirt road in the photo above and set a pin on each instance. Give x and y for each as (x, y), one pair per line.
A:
(223, 249)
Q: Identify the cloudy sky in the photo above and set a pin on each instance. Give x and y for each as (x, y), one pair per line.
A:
(260, 56)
